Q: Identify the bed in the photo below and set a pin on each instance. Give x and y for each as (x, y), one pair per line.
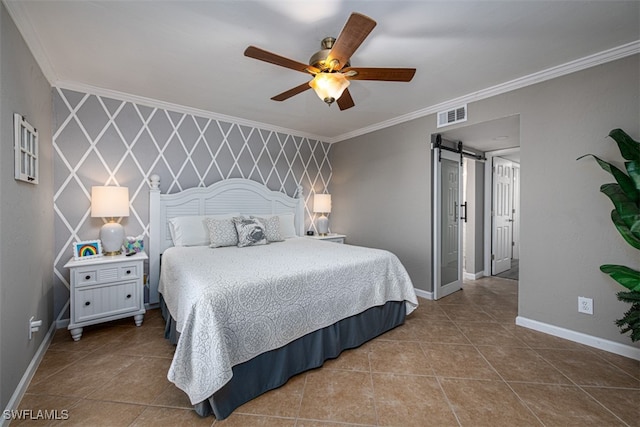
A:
(246, 319)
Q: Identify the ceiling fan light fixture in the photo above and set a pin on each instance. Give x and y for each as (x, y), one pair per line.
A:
(329, 86)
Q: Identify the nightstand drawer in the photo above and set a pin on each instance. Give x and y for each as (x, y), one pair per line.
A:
(85, 277)
(129, 272)
(106, 274)
(102, 301)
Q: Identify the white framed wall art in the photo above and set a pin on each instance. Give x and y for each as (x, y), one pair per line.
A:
(25, 138)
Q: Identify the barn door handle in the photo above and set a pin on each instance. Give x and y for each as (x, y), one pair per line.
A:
(464, 205)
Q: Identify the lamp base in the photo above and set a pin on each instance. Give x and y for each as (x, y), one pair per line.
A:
(112, 237)
(322, 224)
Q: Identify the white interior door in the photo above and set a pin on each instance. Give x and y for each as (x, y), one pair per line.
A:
(502, 239)
(447, 239)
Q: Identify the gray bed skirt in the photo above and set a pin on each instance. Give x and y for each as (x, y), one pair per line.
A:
(273, 369)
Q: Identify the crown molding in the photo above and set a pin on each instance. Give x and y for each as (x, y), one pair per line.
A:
(30, 36)
(155, 103)
(603, 57)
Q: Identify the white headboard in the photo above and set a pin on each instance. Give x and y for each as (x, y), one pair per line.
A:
(227, 196)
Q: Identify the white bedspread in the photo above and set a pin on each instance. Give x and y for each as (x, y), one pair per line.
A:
(231, 304)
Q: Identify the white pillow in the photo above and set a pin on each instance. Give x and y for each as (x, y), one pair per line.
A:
(192, 230)
(287, 226)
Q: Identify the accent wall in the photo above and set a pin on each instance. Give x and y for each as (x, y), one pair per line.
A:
(100, 140)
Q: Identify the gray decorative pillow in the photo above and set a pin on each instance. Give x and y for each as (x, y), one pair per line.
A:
(272, 228)
(251, 231)
(222, 232)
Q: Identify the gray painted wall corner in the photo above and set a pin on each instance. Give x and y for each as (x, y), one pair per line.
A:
(26, 212)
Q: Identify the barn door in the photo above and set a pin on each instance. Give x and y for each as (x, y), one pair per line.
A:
(447, 230)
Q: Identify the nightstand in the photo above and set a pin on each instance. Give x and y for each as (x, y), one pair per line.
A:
(331, 237)
(106, 288)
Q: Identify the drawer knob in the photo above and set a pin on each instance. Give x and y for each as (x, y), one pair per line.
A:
(87, 277)
(128, 296)
(87, 303)
(128, 271)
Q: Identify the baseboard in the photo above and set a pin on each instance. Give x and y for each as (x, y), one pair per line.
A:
(579, 337)
(423, 294)
(472, 276)
(21, 389)
(63, 323)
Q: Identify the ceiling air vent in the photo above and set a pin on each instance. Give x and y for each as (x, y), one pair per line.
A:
(450, 117)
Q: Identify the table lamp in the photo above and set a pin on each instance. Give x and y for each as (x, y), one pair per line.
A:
(322, 205)
(110, 202)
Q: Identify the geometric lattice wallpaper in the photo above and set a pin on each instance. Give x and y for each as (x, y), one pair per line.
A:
(104, 141)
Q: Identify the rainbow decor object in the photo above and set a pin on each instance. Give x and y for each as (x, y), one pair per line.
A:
(87, 249)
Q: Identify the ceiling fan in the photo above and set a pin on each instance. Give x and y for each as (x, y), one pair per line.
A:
(330, 66)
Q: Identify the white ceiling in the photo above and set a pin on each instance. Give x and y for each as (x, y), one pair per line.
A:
(498, 134)
(190, 53)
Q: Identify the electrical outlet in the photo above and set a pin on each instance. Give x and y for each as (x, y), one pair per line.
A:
(585, 305)
(34, 326)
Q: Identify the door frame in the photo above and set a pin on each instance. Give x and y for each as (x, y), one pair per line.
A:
(488, 194)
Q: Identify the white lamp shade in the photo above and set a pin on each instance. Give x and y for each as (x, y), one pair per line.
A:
(322, 203)
(109, 202)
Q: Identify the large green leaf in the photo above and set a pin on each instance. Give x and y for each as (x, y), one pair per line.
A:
(629, 236)
(633, 168)
(629, 148)
(627, 277)
(626, 183)
(628, 210)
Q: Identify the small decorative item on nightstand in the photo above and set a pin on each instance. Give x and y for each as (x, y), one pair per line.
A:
(87, 249)
(104, 289)
(133, 245)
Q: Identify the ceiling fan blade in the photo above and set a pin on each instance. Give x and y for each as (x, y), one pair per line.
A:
(384, 74)
(263, 55)
(291, 92)
(345, 101)
(356, 29)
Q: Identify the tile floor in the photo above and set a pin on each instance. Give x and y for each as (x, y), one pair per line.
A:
(457, 361)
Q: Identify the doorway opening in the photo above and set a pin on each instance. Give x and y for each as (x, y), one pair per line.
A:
(496, 139)
(450, 213)
(505, 213)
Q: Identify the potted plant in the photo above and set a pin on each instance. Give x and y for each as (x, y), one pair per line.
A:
(625, 195)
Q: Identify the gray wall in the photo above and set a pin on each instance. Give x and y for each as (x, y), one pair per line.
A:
(382, 192)
(105, 141)
(26, 212)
